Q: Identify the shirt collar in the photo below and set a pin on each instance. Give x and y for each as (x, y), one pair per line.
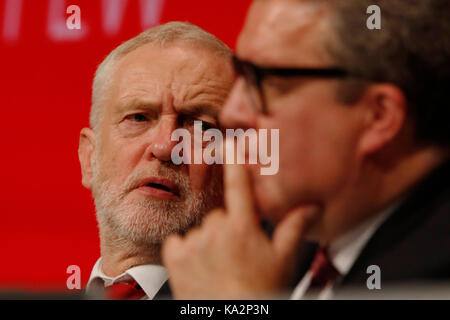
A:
(344, 251)
(150, 277)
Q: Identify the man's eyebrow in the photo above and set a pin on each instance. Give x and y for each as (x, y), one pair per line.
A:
(137, 103)
(197, 110)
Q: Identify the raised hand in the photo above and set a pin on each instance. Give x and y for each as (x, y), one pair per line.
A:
(229, 256)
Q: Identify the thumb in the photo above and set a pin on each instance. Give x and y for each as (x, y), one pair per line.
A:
(289, 233)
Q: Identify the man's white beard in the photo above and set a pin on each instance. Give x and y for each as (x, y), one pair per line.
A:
(147, 221)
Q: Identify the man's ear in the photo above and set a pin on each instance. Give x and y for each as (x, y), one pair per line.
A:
(86, 151)
(384, 116)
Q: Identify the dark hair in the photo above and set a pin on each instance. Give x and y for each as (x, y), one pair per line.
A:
(411, 50)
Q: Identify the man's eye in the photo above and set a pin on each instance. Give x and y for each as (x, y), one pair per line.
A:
(274, 86)
(207, 126)
(190, 122)
(137, 117)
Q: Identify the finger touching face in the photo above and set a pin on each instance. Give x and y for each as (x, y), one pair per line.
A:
(238, 193)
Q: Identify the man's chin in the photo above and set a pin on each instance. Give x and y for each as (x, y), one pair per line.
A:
(313, 233)
(147, 237)
(271, 213)
(269, 207)
(274, 214)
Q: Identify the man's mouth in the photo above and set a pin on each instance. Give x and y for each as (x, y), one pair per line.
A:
(160, 188)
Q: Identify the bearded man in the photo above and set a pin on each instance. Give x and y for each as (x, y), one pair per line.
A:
(164, 79)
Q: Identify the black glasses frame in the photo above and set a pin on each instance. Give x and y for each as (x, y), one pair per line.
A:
(254, 75)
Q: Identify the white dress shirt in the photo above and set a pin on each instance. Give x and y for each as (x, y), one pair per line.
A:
(344, 251)
(150, 277)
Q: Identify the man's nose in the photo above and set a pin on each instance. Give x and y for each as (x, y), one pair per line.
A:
(237, 111)
(161, 145)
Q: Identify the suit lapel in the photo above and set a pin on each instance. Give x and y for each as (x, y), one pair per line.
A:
(414, 242)
(164, 292)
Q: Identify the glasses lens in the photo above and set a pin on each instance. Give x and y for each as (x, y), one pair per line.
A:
(249, 73)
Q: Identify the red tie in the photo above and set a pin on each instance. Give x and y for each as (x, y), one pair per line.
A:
(124, 291)
(323, 271)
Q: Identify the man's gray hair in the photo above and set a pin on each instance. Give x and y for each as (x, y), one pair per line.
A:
(162, 35)
(412, 51)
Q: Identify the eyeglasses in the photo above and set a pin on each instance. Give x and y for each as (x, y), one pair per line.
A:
(254, 77)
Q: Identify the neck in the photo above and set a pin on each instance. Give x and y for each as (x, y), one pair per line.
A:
(119, 255)
(381, 182)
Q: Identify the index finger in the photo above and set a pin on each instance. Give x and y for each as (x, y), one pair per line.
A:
(238, 193)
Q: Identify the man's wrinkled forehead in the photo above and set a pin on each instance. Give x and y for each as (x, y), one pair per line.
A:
(188, 74)
(172, 63)
(277, 30)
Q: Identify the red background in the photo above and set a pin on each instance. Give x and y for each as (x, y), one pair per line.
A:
(47, 217)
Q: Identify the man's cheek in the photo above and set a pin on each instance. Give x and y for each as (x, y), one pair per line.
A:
(197, 175)
(115, 167)
(200, 175)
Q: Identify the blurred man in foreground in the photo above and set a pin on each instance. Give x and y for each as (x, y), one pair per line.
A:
(362, 189)
(163, 79)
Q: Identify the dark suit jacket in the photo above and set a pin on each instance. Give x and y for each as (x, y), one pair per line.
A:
(164, 293)
(412, 245)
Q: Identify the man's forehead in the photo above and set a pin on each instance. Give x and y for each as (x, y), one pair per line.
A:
(185, 77)
(161, 60)
(284, 32)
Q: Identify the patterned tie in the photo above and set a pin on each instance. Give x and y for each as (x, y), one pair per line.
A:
(124, 291)
(323, 271)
